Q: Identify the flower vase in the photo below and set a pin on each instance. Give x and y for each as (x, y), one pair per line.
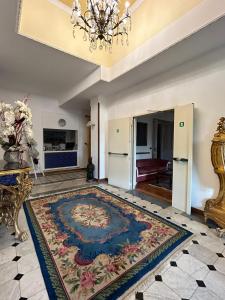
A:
(12, 156)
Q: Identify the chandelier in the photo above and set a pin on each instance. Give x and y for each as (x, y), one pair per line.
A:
(102, 23)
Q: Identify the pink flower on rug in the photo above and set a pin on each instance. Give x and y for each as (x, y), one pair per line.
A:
(130, 249)
(87, 280)
(61, 236)
(153, 241)
(112, 268)
(46, 226)
(163, 230)
(63, 251)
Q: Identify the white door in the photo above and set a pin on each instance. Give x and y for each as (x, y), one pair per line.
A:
(120, 153)
(182, 157)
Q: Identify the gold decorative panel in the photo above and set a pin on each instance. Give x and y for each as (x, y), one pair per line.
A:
(215, 208)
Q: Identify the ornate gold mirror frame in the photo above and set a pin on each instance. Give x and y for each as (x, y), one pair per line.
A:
(215, 208)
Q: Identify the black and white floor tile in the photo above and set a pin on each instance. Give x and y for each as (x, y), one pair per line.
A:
(194, 272)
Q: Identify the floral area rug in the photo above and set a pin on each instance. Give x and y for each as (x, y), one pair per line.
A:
(92, 244)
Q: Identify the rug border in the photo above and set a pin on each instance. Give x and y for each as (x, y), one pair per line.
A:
(132, 283)
(51, 290)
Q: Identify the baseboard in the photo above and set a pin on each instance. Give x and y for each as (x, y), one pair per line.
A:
(197, 211)
(103, 180)
(58, 171)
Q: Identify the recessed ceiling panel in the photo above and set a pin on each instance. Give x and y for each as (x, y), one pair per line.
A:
(46, 22)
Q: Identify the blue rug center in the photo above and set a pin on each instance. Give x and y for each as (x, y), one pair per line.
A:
(95, 226)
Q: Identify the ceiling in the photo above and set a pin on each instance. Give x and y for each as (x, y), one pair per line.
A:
(32, 67)
(149, 18)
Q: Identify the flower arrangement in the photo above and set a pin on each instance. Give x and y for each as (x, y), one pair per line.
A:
(16, 127)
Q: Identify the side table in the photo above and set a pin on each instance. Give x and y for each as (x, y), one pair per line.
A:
(15, 188)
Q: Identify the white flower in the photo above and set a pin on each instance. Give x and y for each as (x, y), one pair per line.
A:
(9, 117)
(29, 133)
(8, 130)
(5, 107)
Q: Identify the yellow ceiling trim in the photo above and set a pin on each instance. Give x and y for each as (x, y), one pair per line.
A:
(45, 22)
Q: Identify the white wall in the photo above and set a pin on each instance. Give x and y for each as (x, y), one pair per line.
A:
(46, 113)
(201, 81)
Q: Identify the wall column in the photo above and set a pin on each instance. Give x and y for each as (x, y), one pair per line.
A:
(99, 121)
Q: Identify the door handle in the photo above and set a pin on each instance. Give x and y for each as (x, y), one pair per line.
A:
(180, 159)
(176, 159)
(184, 159)
(122, 154)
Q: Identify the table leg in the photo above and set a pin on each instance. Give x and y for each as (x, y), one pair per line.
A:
(19, 234)
(23, 190)
(12, 198)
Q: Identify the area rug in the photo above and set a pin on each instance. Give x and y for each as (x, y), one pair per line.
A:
(92, 244)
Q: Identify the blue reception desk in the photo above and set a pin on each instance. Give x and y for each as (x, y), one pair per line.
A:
(60, 159)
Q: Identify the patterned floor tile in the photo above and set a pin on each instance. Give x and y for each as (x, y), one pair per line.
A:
(180, 282)
(204, 294)
(28, 263)
(7, 254)
(10, 290)
(192, 266)
(203, 254)
(43, 295)
(199, 265)
(220, 265)
(159, 291)
(215, 281)
(8, 271)
(32, 283)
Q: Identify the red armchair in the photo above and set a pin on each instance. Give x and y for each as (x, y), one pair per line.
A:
(149, 168)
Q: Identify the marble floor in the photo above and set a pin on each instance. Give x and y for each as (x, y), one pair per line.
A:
(196, 271)
(65, 176)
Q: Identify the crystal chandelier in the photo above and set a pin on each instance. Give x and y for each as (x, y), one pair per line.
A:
(102, 23)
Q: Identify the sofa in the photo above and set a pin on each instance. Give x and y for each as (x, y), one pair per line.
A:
(150, 168)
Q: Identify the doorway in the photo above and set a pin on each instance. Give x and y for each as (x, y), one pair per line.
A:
(123, 154)
(154, 154)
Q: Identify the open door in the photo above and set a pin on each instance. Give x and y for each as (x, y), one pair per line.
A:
(182, 158)
(120, 153)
